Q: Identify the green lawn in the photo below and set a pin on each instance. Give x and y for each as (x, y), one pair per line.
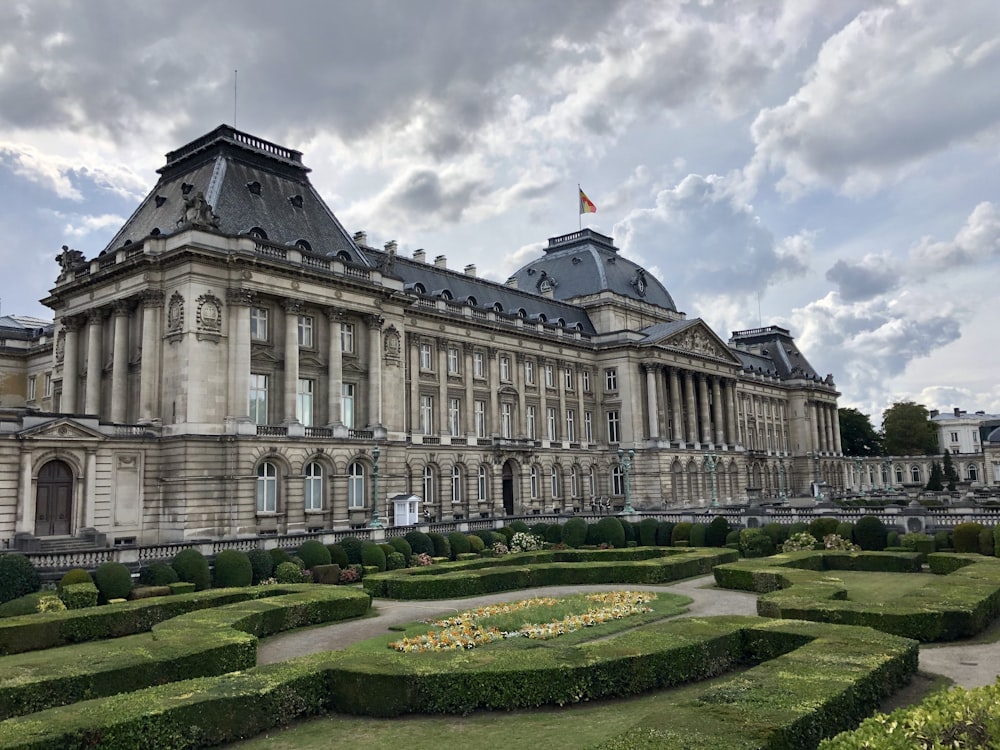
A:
(872, 588)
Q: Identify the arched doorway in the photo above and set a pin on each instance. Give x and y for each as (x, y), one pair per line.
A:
(54, 499)
(508, 488)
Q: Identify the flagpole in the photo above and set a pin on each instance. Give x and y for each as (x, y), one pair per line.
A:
(579, 213)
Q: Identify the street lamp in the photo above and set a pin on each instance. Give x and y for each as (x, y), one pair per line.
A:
(711, 461)
(375, 523)
(626, 461)
(781, 480)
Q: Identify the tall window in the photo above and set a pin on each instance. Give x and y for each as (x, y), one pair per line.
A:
(568, 378)
(972, 473)
(592, 481)
(453, 360)
(529, 372)
(550, 423)
(258, 323)
(529, 422)
(505, 369)
(554, 481)
(427, 414)
(306, 331)
(347, 338)
(428, 487)
(455, 416)
(480, 407)
(426, 357)
(304, 401)
(614, 427)
(347, 405)
(915, 473)
(456, 484)
(32, 387)
(617, 481)
(586, 381)
(574, 479)
(356, 485)
(483, 484)
(506, 426)
(267, 488)
(478, 365)
(588, 426)
(258, 398)
(571, 425)
(899, 474)
(48, 385)
(550, 377)
(314, 486)
(611, 379)
(533, 482)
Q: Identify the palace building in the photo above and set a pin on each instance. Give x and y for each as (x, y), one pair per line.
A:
(230, 362)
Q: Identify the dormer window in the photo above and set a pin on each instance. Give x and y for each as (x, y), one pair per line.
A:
(159, 200)
(471, 301)
(257, 233)
(303, 245)
(254, 187)
(522, 313)
(497, 307)
(344, 257)
(296, 201)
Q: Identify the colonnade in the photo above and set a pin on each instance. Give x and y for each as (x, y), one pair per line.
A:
(698, 408)
(826, 427)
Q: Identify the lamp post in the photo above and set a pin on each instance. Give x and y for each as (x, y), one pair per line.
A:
(781, 480)
(626, 461)
(375, 523)
(711, 461)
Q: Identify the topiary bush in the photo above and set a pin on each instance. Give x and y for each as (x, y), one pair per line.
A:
(519, 526)
(279, 556)
(232, 568)
(76, 575)
(986, 542)
(647, 532)
(395, 561)
(17, 577)
(113, 581)
(870, 533)
(372, 554)
(681, 533)
(718, 529)
(420, 542)
(352, 546)
(821, 527)
(507, 533)
(401, 546)
(459, 543)
(664, 533)
(891, 538)
(942, 540)
(574, 532)
(755, 543)
(845, 531)
(338, 555)
(592, 535)
(313, 552)
(261, 564)
(965, 537)
(553, 534)
(79, 595)
(191, 566)
(631, 531)
(697, 536)
(779, 534)
(289, 572)
(996, 541)
(610, 531)
(538, 529)
(796, 528)
(476, 544)
(442, 548)
(157, 574)
(488, 535)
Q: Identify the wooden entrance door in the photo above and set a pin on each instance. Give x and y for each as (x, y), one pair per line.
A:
(54, 499)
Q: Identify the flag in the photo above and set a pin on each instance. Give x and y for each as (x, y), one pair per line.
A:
(586, 205)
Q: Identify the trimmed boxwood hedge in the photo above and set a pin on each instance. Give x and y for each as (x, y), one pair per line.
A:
(803, 704)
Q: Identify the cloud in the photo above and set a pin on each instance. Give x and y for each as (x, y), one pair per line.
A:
(977, 242)
(871, 276)
(79, 226)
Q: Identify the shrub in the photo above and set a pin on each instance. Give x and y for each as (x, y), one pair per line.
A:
(986, 542)
(507, 532)
(965, 537)
(420, 542)
(996, 541)
(459, 543)
(845, 530)
(631, 531)
(476, 544)
(538, 529)
(499, 549)
(372, 554)
(387, 548)
(681, 533)
(592, 535)
(942, 540)
(574, 532)
(261, 564)
(553, 534)
(698, 534)
(352, 546)
(836, 542)
(821, 527)
(17, 577)
(421, 560)
(403, 547)
(313, 552)
(525, 542)
(191, 566)
(328, 575)
(51, 603)
(647, 532)
(232, 568)
(298, 561)
(519, 526)
(733, 537)
(796, 527)
(79, 595)
(715, 535)
(279, 556)
(755, 543)
(870, 533)
(891, 538)
(113, 580)
(797, 542)
(488, 536)
(395, 561)
(76, 575)
(779, 534)
(442, 547)
(338, 555)
(289, 572)
(610, 532)
(157, 574)
(664, 533)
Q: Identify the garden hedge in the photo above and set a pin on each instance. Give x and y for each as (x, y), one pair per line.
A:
(780, 701)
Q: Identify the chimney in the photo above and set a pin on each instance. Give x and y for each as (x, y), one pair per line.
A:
(390, 247)
(512, 282)
(934, 413)
(440, 262)
(361, 238)
(958, 412)
(420, 256)
(470, 270)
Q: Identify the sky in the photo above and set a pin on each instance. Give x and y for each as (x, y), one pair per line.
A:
(829, 167)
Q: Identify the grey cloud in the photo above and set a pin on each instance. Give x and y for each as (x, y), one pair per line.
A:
(864, 280)
(423, 193)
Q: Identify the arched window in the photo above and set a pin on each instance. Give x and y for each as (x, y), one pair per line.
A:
(592, 481)
(574, 479)
(533, 482)
(497, 307)
(617, 481)
(303, 245)
(267, 488)
(471, 301)
(554, 481)
(899, 474)
(257, 233)
(484, 485)
(356, 485)
(428, 487)
(915, 473)
(972, 473)
(314, 486)
(456, 484)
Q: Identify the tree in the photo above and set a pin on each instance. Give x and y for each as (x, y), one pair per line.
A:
(935, 483)
(950, 475)
(857, 436)
(907, 430)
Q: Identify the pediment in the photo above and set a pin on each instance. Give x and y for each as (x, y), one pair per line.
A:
(263, 355)
(698, 339)
(311, 361)
(63, 428)
(354, 367)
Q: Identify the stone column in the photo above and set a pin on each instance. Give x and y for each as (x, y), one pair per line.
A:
(720, 427)
(26, 516)
(542, 424)
(293, 308)
(444, 424)
(375, 323)
(239, 302)
(830, 419)
(581, 435)
(691, 428)
(675, 406)
(814, 412)
(90, 469)
(470, 400)
(92, 400)
(706, 422)
(561, 416)
(651, 407)
(522, 397)
(493, 355)
(335, 370)
(119, 363)
(733, 428)
(414, 386)
(71, 366)
(838, 447)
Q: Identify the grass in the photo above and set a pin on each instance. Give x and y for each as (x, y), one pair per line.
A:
(872, 588)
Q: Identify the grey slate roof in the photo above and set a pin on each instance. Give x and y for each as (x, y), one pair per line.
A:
(772, 350)
(587, 262)
(250, 183)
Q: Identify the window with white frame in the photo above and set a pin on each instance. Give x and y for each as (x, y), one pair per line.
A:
(426, 356)
(480, 416)
(478, 364)
(506, 420)
(347, 405)
(267, 488)
(915, 473)
(611, 379)
(258, 323)
(586, 381)
(972, 473)
(954, 437)
(554, 481)
(592, 481)
(529, 422)
(550, 377)
(454, 357)
(429, 487)
(427, 415)
(571, 425)
(588, 426)
(456, 484)
(550, 423)
(533, 482)
(529, 372)
(32, 387)
(455, 416)
(574, 481)
(996, 471)
(258, 398)
(347, 338)
(483, 484)
(614, 427)
(356, 485)
(304, 401)
(899, 474)
(306, 331)
(617, 481)
(314, 486)
(568, 378)
(505, 369)
(48, 385)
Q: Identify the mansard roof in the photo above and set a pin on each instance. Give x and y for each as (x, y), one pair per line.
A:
(251, 186)
(771, 350)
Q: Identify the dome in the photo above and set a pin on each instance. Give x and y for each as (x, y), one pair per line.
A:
(586, 262)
